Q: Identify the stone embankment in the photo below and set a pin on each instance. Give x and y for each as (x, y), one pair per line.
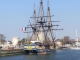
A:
(11, 52)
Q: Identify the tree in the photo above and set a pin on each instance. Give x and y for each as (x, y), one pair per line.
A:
(2, 39)
(72, 41)
(65, 40)
(23, 41)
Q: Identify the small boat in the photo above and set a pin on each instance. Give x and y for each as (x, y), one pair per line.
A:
(42, 53)
(76, 47)
(10, 48)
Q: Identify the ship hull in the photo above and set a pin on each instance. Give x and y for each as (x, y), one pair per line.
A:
(35, 52)
(36, 49)
(31, 51)
(40, 51)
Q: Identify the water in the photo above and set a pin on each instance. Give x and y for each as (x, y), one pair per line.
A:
(56, 55)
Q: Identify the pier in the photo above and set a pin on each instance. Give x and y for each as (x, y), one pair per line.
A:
(11, 52)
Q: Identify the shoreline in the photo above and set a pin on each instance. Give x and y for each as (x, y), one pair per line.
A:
(11, 52)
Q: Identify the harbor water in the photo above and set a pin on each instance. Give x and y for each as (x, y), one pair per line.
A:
(56, 55)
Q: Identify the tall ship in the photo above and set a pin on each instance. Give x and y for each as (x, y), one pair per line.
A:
(42, 38)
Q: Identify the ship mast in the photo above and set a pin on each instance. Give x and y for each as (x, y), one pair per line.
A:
(49, 24)
(41, 12)
(50, 29)
(41, 34)
(34, 15)
(48, 18)
(48, 14)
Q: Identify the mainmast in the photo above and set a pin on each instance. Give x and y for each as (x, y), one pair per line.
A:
(34, 15)
(41, 12)
(41, 34)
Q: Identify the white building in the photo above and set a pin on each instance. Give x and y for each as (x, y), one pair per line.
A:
(15, 41)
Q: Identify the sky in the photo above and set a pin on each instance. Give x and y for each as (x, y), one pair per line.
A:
(15, 14)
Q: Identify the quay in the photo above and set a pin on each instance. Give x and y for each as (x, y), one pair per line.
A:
(11, 52)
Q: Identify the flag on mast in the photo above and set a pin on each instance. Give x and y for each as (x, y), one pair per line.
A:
(22, 29)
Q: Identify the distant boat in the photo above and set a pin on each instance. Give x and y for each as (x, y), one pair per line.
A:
(77, 43)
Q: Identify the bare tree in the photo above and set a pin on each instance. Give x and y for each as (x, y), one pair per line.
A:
(65, 40)
(2, 39)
